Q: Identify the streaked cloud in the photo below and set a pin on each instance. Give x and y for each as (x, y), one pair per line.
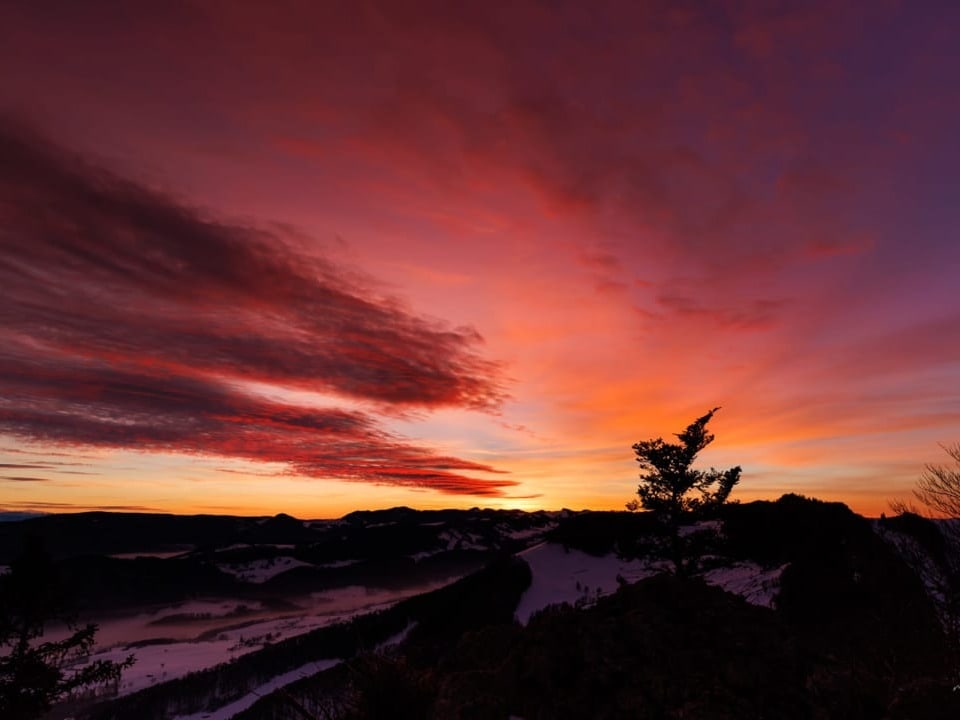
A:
(131, 321)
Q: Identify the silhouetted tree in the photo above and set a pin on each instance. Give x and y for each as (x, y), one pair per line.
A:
(672, 489)
(938, 491)
(939, 485)
(35, 672)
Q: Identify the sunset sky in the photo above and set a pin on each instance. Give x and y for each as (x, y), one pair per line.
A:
(309, 257)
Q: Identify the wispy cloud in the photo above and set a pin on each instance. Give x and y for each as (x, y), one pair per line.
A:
(98, 266)
(75, 507)
(131, 321)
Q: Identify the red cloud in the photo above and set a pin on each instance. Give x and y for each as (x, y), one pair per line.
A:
(128, 319)
(97, 266)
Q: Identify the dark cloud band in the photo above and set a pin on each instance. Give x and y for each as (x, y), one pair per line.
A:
(131, 321)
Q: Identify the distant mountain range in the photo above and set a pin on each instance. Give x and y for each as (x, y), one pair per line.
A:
(122, 561)
(15, 516)
(369, 533)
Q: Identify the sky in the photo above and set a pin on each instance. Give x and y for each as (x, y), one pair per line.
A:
(313, 257)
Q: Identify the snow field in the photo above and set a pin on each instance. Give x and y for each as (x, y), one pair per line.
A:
(237, 706)
(562, 575)
(259, 571)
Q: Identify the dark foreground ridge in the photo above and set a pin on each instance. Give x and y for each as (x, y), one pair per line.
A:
(853, 633)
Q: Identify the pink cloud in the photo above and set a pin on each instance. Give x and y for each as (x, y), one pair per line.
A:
(128, 320)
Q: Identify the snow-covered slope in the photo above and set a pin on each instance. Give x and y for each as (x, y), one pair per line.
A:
(564, 575)
(237, 706)
(259, 571)
(167, 651)
(753, 583)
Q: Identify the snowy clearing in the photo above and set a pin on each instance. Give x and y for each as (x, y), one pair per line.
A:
(237, 706)
(395, 639)
(529, 532)
(714, 526)
(457, 540)
(569, 576)
(563, 575)
(147, 554)
(259, 571)
(748, 580)
(417, 557)
(338, 564)
(169, 650)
